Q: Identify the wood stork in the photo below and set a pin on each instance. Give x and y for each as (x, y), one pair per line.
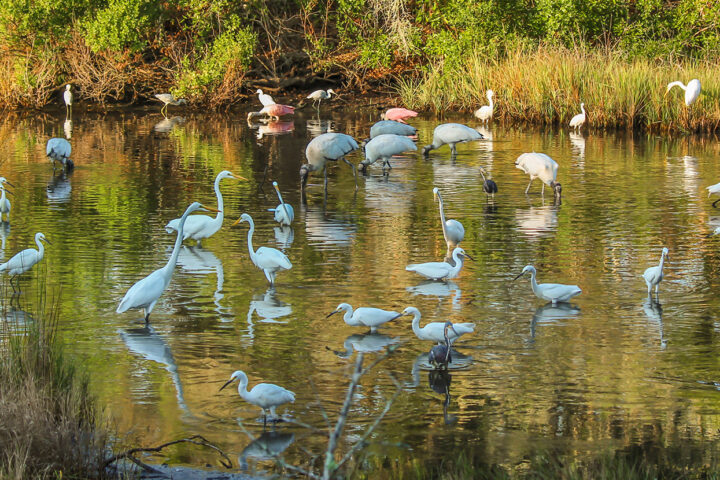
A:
(383, 147)
(323, 148)
(451, 134)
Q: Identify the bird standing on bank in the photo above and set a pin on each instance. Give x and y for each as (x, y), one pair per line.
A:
(284, 213)
(654, 275)
(692, 90)
(552, 292)
(269, 260)
(451, 134)
(23, 261)
(578, 120)
(485, 113)
(539, 165)
(263, 395)
(435, 331)
(367, 316)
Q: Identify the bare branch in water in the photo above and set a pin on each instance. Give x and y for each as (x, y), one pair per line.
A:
(195, 439)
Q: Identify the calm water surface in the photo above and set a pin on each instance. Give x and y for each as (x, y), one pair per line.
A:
(609, 371)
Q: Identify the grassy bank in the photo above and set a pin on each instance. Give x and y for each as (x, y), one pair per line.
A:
(547, 84)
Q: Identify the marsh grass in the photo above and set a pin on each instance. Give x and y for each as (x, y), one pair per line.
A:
(547, 84)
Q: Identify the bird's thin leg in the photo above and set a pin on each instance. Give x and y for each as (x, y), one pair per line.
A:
(147, 317)
(453, 150)
(528, 187)
(353, 170)
(326, 180)
(542, 192)
(657, 289)
(714, 204)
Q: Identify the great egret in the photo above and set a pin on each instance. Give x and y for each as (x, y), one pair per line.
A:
(324, 148)
(453, 231)
(265, 99)
(367, 316)
(692, 90)
(383, 147)
(441, 270)
(489, 185)
(440, 356)
(485, 112)
(451, 134)
(319, 95)
(168, 99)
(435, 331)
(714, 190)
(23, 261)
(263, 395)
(199, 227)
(654, 275)
(284, 213)
(274, 111)
(398, 114)
(539, 165)
(59, 150)
(68, 97)
(390, 126)
(578, 120)
(552, 292)
(4, 202)
(269, 260)
(144, 294)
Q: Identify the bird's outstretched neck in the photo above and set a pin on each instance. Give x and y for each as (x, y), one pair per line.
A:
(170, 266)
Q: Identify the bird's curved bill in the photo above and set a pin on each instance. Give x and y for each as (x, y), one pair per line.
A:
(332, 313)
(226, 384)
(468, 256)
(210, 209)
(521, 274)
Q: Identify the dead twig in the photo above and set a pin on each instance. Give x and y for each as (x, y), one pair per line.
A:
(195, 439)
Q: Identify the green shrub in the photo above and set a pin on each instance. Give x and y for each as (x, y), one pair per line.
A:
(121, 24)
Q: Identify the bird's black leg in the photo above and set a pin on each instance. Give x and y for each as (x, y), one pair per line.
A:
(147, 319)
(714, 204)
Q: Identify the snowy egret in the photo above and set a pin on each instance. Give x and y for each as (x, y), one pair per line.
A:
(68, 97)
(453, 231)
(367, 316)
(263, 395)
(168, 99)
(269, 260)
(265, 99)
(398, 114)
(714, 190)
(274, 111)
(489, 185)
(451, 134)
(390, 126)
(440, 355)
(578, 120)
(692, 90)
(59, 150)
(485, 112)
(654, 275)
(144, 294)
(199, 227)
(284, 213)
(441, 270)
(553, 292)
(23, 261)
(435, 331)
(4, 202)
(539, 165)
(383, 147)
(324, 148)
(319, 95)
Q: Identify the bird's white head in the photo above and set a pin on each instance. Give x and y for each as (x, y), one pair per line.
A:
(582, 105)
(259, 92)
(489, 93)
(39, 237)
(411, 311)
(459, 252)
(665, 252)
(195, 206)
(68, 86)
(343, 307)
(243, 218)
(237, 375)
(276, 187)
(528, 268)
(330, 90)
(229, 174)
(436, 193)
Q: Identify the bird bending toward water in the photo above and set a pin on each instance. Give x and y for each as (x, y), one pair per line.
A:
(263, 395)
(23, 261)
(692, 90)
(451, 134)
(485, 113)
(578, 120)
(284, 213)
(654, 275)
(383, 147)
(539, 165)
(269, 260)
(398, 114)
(324, 148)
(367, 316)
(441, 270)
(435, 331)
(168, 99)
(319, 95)
(59, 150)
(439, 356)
(4, 202)
(553, 292)
(274, 111)
(265, 99)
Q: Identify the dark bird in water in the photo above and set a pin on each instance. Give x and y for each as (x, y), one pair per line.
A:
(489, 186)
(439, 355)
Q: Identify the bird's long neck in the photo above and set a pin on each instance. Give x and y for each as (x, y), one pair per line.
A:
(284, 207)
(250, 234)
(662, 261)
(582, 109)
(442, 216)
(348, 316)
(2, 197)
(170, 266)
(41, 247)
(242, 387)
(220, 216)
(416, 324)
(533, 282)
(678, 84)
(490, 99)
(458, 264)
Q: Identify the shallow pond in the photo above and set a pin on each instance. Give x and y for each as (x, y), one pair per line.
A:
(610, 371)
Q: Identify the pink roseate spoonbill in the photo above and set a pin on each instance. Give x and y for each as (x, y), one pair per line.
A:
(692, 90)
(384, 127)
(398, 114)
(265, 99)
(319, 95)
(539, 165)
(324, 148)
(485, 112)
(274, 111)
(578, 120)
(383, 147)
(451, 134)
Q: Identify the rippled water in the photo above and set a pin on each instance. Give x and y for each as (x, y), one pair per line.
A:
(610, 371)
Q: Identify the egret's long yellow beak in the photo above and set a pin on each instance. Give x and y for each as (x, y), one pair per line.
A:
(237, 222)
(238, 177)
(210, 209)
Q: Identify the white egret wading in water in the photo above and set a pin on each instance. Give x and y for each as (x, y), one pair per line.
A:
(269, 260)
(319, 95)
(553, 292)
(692, 91)
(168, 99)
(263, 395)
(489, 185)
(68, 98)
(383, 147)
(453, 231)
(265, 99)
(23, 261)
(578, 120)
(441, 270)
(451, 134)
(146, 292)
(539, 165)
(485, 112)
(654, 275)
(324, 148)
(435, 331)
(284, 213)
(439, 356)
(4, 202)
(59, 150)
(199, 227)
(367, 316)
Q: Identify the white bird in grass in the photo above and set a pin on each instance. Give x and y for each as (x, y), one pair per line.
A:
(59, 150)
(23, 261)
(263, 395)
(539, 165)
(319, 95)
(68, 97)
(4, 202)
(435, 331)
(485, 112)
(383, 147)
(324, 148)
(269, 260)
(552, 292)
(578, 120)
(451, 134)
(441, 270)
(453, 231)
(199, 227)
(168, 99)
(692, 91)
(654, 275)
(146, 292)
(265, 99)
(714, 190)
(367, 316)
(284, 213)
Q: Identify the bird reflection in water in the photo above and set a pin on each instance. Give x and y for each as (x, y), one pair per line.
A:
(68, 128)
(167, 124)
(4, 234)
(272, 128)
(318, 127)
(59, 187)
(265, 447)
(365, 343)
(268, 308)
(549, 313)
(284, 236)
(653, 311)
(537, 221)
(151, 346)
(460, 361)
(199, 261)
(577, 142)
(439, 382)
(438, 289)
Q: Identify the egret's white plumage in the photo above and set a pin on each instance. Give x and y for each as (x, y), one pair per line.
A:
(263, 395)
(23, 261)
(539, 165)
(692, 90)
(714, 190)
(59, 150)
(144, 294)
(68, 98)
(284, 213)
(385, 146)
(435, 331)
(384, 127)
(451, 134)
(265, 99)
(578, 120)
(453, 231)
(4, 202)
(441, 270)
(319, 95)
(367, 316)
(324, 148)
(168, 99)
(199, 227)
(654, 275)
(485, 112)
(269, 260)
(552, 292)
